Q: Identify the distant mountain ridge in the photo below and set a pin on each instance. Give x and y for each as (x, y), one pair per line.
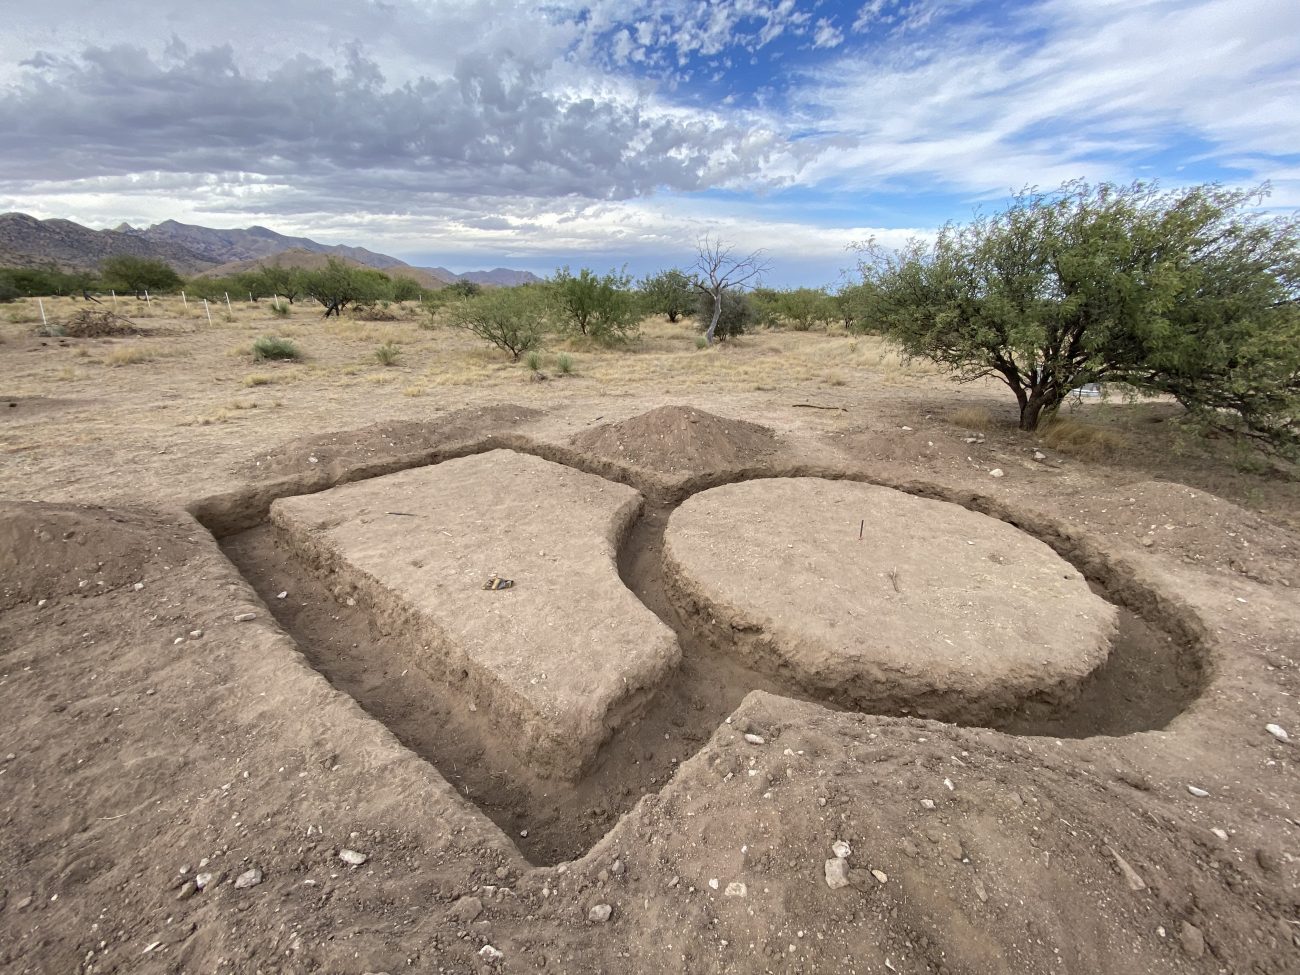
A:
(26, 241)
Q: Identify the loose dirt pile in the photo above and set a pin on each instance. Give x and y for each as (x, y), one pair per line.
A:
(679, 439)
(340, 451)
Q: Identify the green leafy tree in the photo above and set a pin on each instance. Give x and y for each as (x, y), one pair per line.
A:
(804, 308)
(405, 289)
(1187, 292)
(125, 272)
(601, 306)
(287, 282)
(464, 289)
(670, 292)
(338, 285)
(512, 319)
(31, 282)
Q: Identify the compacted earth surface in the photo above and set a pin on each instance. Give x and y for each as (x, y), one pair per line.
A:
(612, 677)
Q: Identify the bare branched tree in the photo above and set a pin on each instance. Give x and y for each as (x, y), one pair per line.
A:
(719, 270)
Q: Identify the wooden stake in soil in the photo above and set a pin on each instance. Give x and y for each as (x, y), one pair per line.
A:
(861, 528)
(208, 310)
(229, 310)
(184, 302)
(42, 304)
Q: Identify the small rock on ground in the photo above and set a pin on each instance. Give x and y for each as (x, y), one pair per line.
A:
(1193, 940)
(466, 909)
(600, 913)
(837, 873)
(249, 878)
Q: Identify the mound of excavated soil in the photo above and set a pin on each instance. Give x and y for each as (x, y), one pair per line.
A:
(342, 450)
(53, 551)
(677, 439)
(883, 600)
(559, 659)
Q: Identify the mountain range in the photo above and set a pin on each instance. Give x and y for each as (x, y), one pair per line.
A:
(26, 241)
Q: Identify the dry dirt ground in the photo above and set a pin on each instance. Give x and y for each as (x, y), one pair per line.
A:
(166, 718)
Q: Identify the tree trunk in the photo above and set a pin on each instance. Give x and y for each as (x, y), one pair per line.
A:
(717, 313)
(1042, 401)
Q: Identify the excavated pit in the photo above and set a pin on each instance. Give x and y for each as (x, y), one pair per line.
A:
(1154, 670)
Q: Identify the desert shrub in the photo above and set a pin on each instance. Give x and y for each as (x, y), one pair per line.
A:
(388, 354)
(512, 319)
(564, 364)
(258, 379)
(8, 293)
(534, 361)
(738, 314)
(280, 309)
(271, 347)
(670, 293)
(598, 306)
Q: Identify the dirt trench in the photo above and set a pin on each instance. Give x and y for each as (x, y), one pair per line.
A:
(1155, 670)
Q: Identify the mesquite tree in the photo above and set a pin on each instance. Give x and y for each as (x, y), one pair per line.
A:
(1187, 292)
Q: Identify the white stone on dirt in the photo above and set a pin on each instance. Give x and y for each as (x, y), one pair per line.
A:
(735, 889)
(281, 595)
(841, 849)
(600, 913)
(487, 952)
(997, 472)
(616, 868)
(1039, 456)
(352, 858)
(138, 586)
(1220, 833)
(713, 883)
(202, 880)
(880, 875)
(249, 878)
(1277, 731)
(755, 739)
(196, 634)
(245, 617)
(1197, 791)
(837, 873)
(927, 804)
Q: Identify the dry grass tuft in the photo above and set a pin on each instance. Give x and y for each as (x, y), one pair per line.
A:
(258, 379)
(128, 355)
(1082, 439)
(973, 418)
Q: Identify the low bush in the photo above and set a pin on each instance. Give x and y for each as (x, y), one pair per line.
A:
(271, 347)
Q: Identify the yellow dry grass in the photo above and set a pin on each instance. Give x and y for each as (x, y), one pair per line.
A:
(1081, 440)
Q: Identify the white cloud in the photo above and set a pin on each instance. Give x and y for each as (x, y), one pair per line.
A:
(827, 35)
(982, 109)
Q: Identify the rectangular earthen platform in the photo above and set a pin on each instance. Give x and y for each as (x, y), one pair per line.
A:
(562, 657)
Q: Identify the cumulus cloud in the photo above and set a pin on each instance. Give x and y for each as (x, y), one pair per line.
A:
(493, 126)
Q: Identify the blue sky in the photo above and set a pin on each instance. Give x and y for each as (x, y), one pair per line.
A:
(498, 132)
